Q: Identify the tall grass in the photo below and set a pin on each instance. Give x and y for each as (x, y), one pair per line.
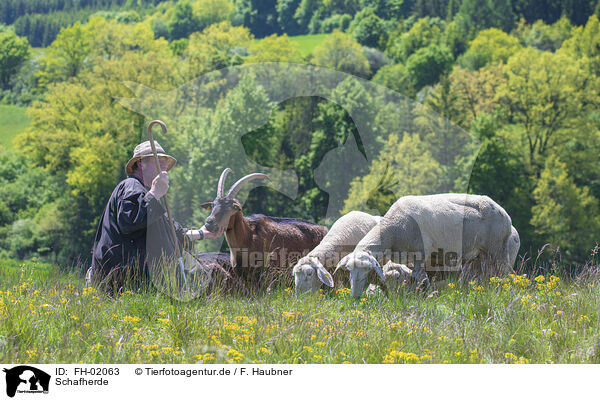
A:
(47, 316)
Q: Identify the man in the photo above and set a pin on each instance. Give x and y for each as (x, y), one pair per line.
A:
(135, 220)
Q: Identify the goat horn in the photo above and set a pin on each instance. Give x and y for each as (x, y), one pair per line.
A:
(221, 185)
(238, 185)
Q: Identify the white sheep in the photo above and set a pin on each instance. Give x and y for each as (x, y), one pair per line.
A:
(463, 226)
(397, 275)
(514, 243)
(311, 270)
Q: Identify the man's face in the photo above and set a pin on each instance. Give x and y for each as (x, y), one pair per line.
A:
(149, 168)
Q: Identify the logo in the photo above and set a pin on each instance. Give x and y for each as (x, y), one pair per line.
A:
(26, 379)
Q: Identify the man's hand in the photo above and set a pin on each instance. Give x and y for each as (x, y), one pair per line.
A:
(160, 185)
(202, 233)
(210, 235)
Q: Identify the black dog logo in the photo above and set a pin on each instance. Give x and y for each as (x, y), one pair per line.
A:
(31, 377)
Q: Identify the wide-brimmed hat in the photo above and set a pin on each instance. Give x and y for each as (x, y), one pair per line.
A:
(144, 150)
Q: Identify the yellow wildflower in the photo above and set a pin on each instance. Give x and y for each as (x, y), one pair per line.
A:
(131, 319)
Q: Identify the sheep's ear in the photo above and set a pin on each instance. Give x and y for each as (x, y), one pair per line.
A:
(207, 206)
(342, 263)
(375, 265)
(296, 269)
(324, 276)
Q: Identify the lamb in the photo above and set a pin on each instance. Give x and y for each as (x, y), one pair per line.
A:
(464, 226)
(400, 274)
(311, 270)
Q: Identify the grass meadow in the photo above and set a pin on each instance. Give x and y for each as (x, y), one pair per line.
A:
(13, 120)
(49, 316)
(307, 43)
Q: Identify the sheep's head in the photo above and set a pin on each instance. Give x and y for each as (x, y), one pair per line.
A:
(397, 274)
(224, 206)
(359, 264)
(309, 273)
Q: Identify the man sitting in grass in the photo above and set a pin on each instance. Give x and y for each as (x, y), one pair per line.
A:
(135, 220)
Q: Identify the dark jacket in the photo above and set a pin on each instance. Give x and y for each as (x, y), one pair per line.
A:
(132, 221)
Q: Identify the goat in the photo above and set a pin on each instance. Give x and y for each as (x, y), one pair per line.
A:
(465, 226)
(257, 240)
(344, 235)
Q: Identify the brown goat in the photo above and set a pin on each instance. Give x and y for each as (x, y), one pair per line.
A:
(259, 244)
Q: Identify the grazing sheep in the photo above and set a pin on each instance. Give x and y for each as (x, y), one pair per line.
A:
(346, 232)
(514, 243)
(462, 226)
(397, 275)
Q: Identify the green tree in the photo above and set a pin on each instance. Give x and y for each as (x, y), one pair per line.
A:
(304, 13)
(425, 32)
(398, 78)
(81, 137)
(564, 214)
(332, 127)
(546, 94)
(218, 46)
(585, 43)
(498, 172)
(260, 16)
(66, 56)
(335, 22)
(13, 52)
(182, 20)
(456, 36)
(368, 29)
(471, 93)
(274, 49)
(490, 46)
(340, 51)
(403, 167)
(488, 14)
(213, 131)
(212, 11)
(390, 9)
(428, 64)
(546, 37)
(286, 9)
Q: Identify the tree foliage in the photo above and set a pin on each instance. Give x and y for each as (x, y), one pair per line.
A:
(545, 94)
(13, 52)
(368, 29)
(564, 214)
(403, 167)
(340, 51)
(490, 46)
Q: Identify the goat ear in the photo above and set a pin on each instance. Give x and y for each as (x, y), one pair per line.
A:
(375, 265)
(237, 205)
(324, 276)
(207, 206)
